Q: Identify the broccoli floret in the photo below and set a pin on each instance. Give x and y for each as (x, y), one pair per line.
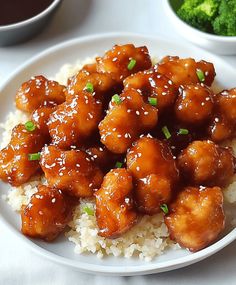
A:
(225, 23)
(199, 13)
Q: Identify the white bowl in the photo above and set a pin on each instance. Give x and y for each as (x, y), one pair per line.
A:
(48, 63)
(218, 44)
(21, 31)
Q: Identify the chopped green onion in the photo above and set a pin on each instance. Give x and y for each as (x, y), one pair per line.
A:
(166, 132)
(183, 132)
(200, 75)
(89, 87)
(164, 208)
(131, 64)
(116, 98)
(30, 126)
(88, 211)
(34, 156)
(118, 164)
(152, 101)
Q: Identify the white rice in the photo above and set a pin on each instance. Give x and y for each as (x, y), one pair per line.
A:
(148, 239)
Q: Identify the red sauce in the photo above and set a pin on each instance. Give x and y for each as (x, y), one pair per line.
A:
(13, 11)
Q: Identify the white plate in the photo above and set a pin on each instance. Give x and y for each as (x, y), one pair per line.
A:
(48, 63)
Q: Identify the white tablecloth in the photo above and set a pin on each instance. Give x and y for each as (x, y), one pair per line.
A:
(18, 265)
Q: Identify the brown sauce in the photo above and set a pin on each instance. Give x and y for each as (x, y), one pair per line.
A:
(14, 11)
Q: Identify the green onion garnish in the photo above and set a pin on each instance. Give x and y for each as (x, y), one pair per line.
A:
(30, 126)
(131, 64)
(200, 75)
(34, 156)
(183, 132)
(164, 208)
(118, 164)
(152, 101)
(166, 132)
(88, 211)
(116, 98)
(89, 87)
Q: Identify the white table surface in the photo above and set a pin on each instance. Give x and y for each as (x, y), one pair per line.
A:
(75, 18)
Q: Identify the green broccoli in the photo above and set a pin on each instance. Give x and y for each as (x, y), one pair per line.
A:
(225, 23)
(199, 13)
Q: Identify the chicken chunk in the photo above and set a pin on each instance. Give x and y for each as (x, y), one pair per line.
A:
(47, 213)
(220, 129)
(187, 70)
(100, 85)
(226, 103)
(155, 174)
(115, 211)
(152, 84)
(102, 157)
(196, 218)
(71, 171)
(75, 120)
(126, 120)
(194, 104)
(39, 91)
(121, 61)
(40, 118)
(205, 163)
(19, 160)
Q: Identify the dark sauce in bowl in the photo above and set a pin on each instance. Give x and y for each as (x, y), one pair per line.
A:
(14, 11)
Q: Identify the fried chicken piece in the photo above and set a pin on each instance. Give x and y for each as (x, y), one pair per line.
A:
(205, 163)
(17, 164)
(194, 104)
(220, 129)
(72, 171)
(102, 157)
(223, 123)
(196, 218)
(100, 85)
(37, 92)
(126, 120)
(115, 211)
(47, 213)
(155, 173)
(185, 71)
(152, 84)
(121, 61)
(40, 118)
(75, 120)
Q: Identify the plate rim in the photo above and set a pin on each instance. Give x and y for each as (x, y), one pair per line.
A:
(128, 270)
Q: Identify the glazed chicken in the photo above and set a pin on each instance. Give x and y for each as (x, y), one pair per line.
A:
(155, 173)
(114, 204)
(40, 118)
(37, 92)
(205, 163)
(152, 84)
(103, 158)
(47, 213)
(196, 217)
(71, 171)
(100, 85)
(75, 120)
(194, 104)
(127, 118)
(19, 160)
(122, 61)
(223, 123)
(186, 71)
(137, 138)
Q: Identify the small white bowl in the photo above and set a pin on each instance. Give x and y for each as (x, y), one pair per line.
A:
(21, 31)
(217, 44)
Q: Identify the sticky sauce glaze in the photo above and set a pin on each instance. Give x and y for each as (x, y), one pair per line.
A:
(14, 11)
